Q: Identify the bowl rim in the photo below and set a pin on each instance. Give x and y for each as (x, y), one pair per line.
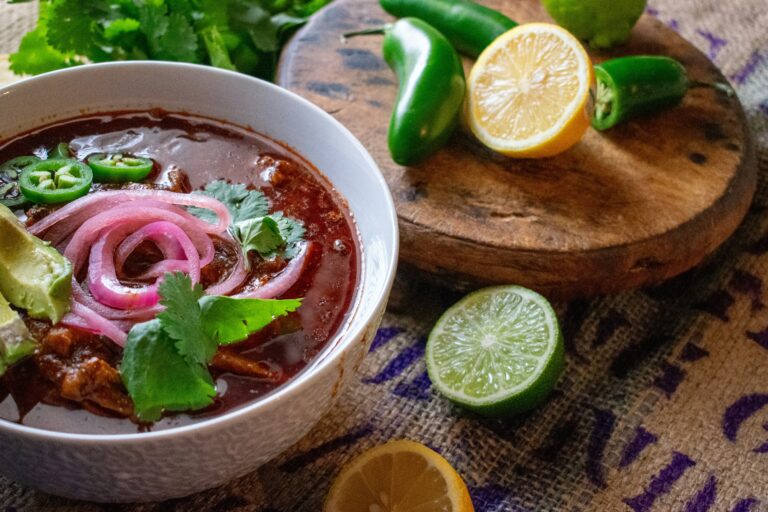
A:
(347, 334)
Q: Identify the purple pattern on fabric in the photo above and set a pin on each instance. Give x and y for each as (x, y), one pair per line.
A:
(715, 43)
(662, 483)
(609, 324)
(761, 337)
(740, 411)
(651, 11)
(670, 379)
(692, 352)
(745, 505)
(398, 365)
(717, 305)
(383, 336)
(750, 285)
(640, 442)
(742, 75)
(574, 318)
(488, 498)
(704, 500)
(418, 389)
(633, 355)
(674, 25)
(605, 422)
(495, 498)
(763, 448)
(557, 439)
(304, 459)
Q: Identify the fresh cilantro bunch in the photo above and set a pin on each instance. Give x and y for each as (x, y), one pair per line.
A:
(165, 361)
(241, 35)
(252, 225)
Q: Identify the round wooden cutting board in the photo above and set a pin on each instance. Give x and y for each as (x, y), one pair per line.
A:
(622, 209)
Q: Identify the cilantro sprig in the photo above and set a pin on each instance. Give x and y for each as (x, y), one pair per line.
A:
(253, 226)
(165, 361)
(242, 35)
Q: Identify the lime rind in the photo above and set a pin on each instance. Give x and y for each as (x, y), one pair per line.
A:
(498, 350)
(602, 25)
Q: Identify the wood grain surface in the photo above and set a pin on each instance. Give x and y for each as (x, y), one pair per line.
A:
(622, 209)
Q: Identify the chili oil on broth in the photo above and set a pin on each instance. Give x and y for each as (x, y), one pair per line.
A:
(206, 150)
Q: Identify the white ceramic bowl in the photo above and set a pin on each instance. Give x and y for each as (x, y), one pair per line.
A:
(185, 460)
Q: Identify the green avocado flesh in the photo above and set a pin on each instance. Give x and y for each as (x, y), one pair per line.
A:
(33, 275)
(15, 341)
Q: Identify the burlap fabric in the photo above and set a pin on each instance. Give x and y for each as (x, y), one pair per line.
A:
(664, 403)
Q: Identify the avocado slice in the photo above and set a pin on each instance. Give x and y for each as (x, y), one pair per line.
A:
(33, 275)
(15, 341)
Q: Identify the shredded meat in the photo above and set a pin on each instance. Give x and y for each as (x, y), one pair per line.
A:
(277, 170)
(81, 368)
(178, 181)
(241, 365)
(223, 261)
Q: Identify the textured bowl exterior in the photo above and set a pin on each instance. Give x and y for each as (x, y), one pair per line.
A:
(178, 462)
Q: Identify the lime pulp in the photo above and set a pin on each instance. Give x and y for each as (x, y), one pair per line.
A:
(498, 351)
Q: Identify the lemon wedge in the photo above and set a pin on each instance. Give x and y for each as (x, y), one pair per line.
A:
(399, 476)
(529, 92)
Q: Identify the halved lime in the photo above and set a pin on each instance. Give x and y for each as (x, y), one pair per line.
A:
(498, 351)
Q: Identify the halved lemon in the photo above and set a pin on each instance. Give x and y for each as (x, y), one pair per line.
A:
(399, 476)
(529, 92)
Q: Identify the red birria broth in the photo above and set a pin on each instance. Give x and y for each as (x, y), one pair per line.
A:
(190, 152)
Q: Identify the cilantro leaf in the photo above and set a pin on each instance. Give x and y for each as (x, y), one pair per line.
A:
(243, 204)
(292, 231)
(179, 42)
(71, 27)
(245, 35)
(182, 318)
(184, 7)
(154, 23)
(158, 378)
(264, 35)
(285, 24)
(213, 13)
(230, 320)
(261, 234)
(165, 361)
(36, 56)
(247, 207)
(120, 27)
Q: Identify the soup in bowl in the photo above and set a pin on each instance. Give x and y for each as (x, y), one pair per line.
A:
(193, 263)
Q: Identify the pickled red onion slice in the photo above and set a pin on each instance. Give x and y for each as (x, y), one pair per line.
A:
(102, 274)
(105, 228)
(285, 280)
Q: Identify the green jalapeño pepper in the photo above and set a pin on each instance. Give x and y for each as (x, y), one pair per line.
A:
(470, 27)
(55, 181)
(629, 87)
(10, 194)
(60, 151)
(431, 90)
(119, 168)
